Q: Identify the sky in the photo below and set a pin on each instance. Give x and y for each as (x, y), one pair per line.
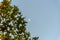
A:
(43, 17)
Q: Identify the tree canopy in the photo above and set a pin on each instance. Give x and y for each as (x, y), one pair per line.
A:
(12, 23)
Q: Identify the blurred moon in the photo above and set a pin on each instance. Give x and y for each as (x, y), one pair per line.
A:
(29, 19)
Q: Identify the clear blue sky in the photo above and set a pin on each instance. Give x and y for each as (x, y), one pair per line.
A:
(44, 15)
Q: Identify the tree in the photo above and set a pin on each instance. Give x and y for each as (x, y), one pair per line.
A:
(12, 24)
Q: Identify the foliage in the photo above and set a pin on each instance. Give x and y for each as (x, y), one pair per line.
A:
(12, 23)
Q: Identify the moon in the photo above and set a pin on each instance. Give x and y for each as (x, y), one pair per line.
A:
(29, 19)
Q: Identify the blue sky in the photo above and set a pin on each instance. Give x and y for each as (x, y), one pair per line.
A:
(44, 15)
